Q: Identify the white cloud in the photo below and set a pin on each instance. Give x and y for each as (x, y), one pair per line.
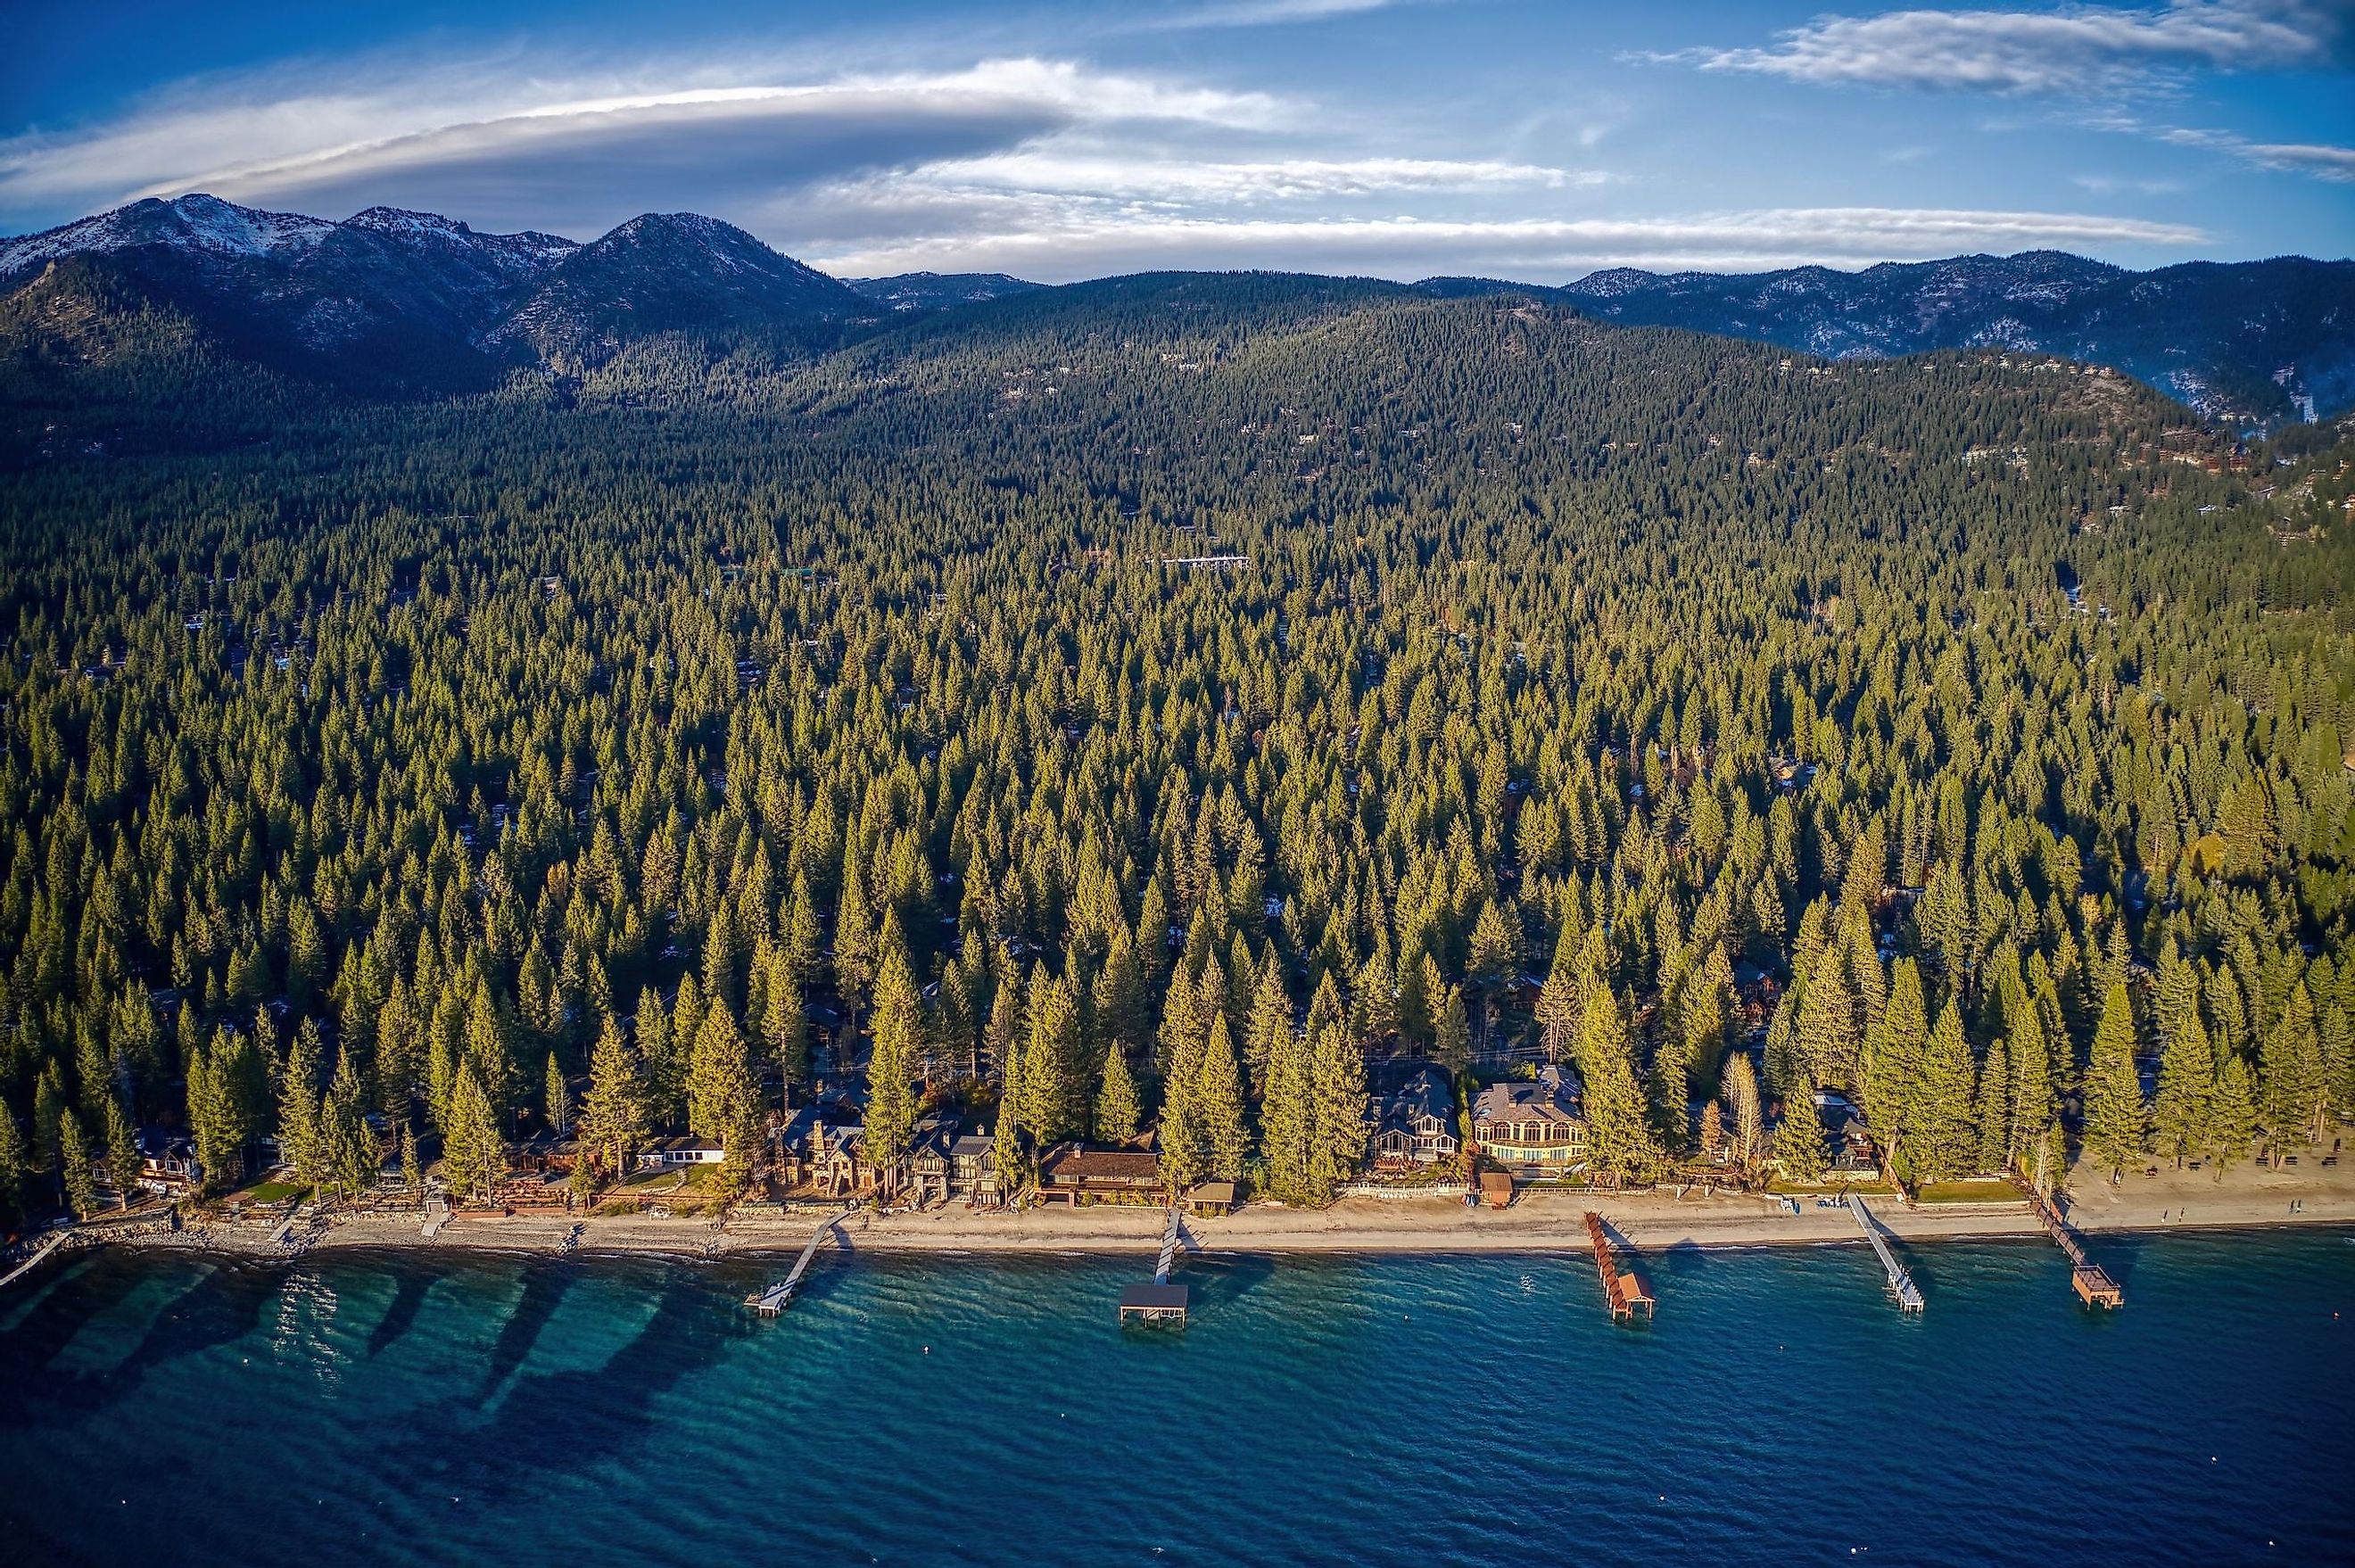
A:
(1055, 241)
(2319, 159)
(2041, 50)
(499, 148)
(1161, 179)
(1256, 14)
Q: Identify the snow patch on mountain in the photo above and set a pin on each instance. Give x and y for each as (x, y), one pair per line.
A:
(193, 223)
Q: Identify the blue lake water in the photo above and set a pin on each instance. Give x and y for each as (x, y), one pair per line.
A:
(392, 1408)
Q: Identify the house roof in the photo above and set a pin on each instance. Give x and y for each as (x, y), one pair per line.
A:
(1426, 1093)
(1554, 1096)
(1073, 1163)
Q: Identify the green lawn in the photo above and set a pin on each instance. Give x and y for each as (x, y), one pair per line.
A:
(1967, 1193)
(273, 1191)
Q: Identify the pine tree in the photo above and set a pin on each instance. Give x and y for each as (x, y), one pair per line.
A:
(613, 1118)
(1337, 1071)
(73, 1166)
(473, 1157)
(12, 1171)
(1944, 1144)
(1054, 1104)
(1748, 1118)
(1994, 1101)
(1271, 1019)
(122, 1152)
(1557, 1006)
(1827, 1040)
(899, 1025)
(298, 1107)
(2294, 1091)
(1288, 1120)
(2115, 1118)
(2186, 1085)
(1218, 1091)
(1006, 1152)
(349, 1154)
(1800, 1140)
(412, 1174)
(1895, 1057)
(1618, 1133)
(556, 1099)
(1451, 1044)
(1116, 1110)
(2232, 1113)
(1184, 1146)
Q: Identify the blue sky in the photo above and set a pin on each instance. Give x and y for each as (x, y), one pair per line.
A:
(1504, 137)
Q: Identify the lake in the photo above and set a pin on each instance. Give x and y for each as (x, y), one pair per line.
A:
(356, 1407)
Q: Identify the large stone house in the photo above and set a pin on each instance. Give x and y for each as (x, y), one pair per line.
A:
(1534, 1127)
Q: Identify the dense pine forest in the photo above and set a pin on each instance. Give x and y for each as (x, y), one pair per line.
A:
(1156, 705)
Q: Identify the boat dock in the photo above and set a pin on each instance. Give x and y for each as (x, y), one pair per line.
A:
(773, 1300)
(1159, 1302)
(1623, 1288)
(2093, 1282)
(56, 1238)
(1900, 1283)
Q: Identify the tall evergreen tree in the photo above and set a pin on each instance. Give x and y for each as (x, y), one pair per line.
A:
(2115, 1118)
(473, 1155)
(1338, 1073)
(612, 1118)
(891, 1066)
(1618, 1132)
(74, 1167)
(2187, 1086)
(1116, 1110)
(2295, 1092)
(1218, 1091)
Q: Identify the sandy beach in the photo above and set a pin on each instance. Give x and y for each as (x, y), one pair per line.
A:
(1540, 1221)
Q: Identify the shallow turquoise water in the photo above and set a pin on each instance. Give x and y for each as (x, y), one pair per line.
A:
(389, 1409)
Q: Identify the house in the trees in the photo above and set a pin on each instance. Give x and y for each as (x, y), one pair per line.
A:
(928, 1167)
(1533, 1128)
(973, 1167)
(1415, 1127)
(1854, 1155)
(671, 1153)
(168, 1161)
(836, 1164)
(1071, 1174)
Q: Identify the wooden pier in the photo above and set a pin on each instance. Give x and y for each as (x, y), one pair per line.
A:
(56, 1238)
(1900, 1283)
(2093, 1282)
(774, 1299)
(1159, 1302)
(1623, 1289)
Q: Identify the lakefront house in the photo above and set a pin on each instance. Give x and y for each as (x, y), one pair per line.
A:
(1415, 1127)
(1534, 1127)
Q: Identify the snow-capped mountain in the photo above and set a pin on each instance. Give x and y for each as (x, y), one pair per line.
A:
(198, 225)
(938, 290)
(394, 296)
(2250, 341)
(667, 273)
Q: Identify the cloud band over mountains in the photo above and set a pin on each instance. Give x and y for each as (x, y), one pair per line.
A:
(1057, 166)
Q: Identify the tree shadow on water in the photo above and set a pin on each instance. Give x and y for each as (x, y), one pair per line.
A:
(600, 1411)
(410, 1290)
(545, 1287)
(227, 1306)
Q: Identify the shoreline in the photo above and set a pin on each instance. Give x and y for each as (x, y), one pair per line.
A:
(1538, 1221)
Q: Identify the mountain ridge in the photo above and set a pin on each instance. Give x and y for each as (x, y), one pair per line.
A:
(407, 300)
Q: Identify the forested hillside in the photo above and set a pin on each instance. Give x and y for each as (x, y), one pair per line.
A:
(365, 757)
